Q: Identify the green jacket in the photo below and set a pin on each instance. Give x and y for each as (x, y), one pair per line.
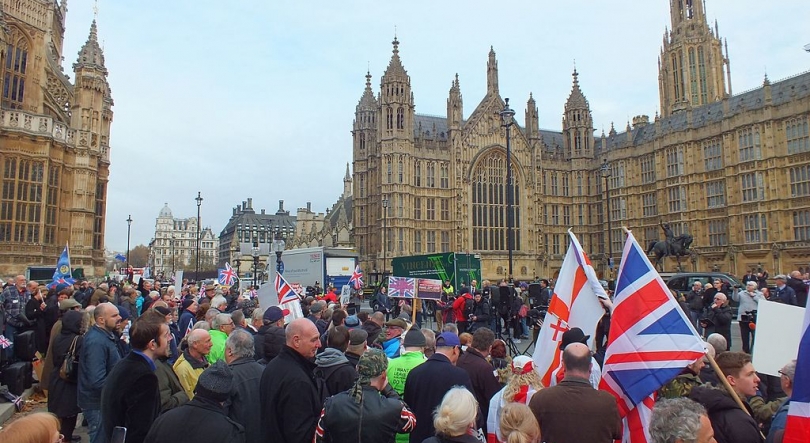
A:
(217, 346)
(680, 386)
(399, 368)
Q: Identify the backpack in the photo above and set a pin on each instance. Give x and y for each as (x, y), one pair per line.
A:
(469, 307)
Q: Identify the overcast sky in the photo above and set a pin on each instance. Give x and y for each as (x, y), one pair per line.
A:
(250, 98)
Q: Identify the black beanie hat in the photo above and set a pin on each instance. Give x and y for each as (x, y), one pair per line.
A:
(215, 383)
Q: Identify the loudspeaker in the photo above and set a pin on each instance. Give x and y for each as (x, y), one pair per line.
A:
(25, 346)
(17, 376)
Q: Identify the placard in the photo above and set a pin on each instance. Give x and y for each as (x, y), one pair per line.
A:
(778, 332)
(429, 289)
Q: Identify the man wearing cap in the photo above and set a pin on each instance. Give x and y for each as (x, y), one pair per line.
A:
(290, 401)
(315, 312)
(192, 361)
(572, 411)
(270, 338)
(783, 293)
(188, 316)
(412, 356)
(484, 381)
(357, 345)
(576, 335)
(427, 383)
(390, 340)
(363, 413)
(204, 418)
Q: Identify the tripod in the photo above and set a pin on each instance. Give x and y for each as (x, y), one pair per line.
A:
(511, 347)
(535, 333)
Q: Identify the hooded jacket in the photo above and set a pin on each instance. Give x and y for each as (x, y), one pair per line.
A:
(730, 423)
(334, 372)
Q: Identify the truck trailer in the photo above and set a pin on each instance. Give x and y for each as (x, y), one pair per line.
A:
(327, 266)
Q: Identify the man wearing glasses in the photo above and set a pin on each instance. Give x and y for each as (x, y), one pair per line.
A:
(777, 431)
(221, 328)
(718, 318)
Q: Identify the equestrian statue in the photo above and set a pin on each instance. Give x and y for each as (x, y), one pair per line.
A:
(671, 247)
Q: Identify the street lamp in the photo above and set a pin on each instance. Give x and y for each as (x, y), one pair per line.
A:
(129, 226)
(507, 120)
(255, 250)
(171, 246)
(605, 169)
(199, 200)
(278, 248)
(385, 233)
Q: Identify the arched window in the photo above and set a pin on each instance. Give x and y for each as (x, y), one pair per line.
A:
(417, 173)
(489, 204)
(400, 171)
(13, 71)
(400, 118)
(362, 140)
(389, 122)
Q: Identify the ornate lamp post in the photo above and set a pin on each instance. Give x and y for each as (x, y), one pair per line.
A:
(129, 226)
(606, 173)
(171, 246)
(255, 252)
(199, 200)
(507, 120)
(385, 234)
(278, 248)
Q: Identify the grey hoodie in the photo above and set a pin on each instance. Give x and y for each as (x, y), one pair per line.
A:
(330, 357)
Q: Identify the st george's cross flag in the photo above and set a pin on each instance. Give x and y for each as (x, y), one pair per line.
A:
(575, 303)
(285, 292)
(650, 343)
(227, 276)
(797, 428)
(357, 277)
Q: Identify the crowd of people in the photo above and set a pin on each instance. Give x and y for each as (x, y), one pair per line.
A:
(212, 366)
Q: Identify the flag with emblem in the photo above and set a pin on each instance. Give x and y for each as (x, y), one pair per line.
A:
(227, 276)
(357, 277)
(575, 303)
(651, 341)
(285, 292)
(62, 273)
(401, 287)
(797, 428)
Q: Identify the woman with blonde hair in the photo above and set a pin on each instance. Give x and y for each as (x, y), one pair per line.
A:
(523, 383)
(40, 427)
(454, 418)
(518, 424)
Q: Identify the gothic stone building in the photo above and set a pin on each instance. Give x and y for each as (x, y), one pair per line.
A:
(54, 141)
(332, 228)
(731, 170)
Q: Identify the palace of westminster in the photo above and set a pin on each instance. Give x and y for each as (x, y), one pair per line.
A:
(731, 170)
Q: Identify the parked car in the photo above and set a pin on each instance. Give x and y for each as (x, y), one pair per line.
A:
(683, 281)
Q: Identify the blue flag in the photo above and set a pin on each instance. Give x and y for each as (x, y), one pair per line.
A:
(62, 273)
(121, 257)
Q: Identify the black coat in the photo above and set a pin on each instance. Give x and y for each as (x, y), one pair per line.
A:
(243, 407)
(720, 322)
(130, 398)
(730, 423)
(481, 312)
(290, 403)
(200, 421)
(373, 330)
(36, 317)
(273, 343)
(425, 387)
(800, 289)
(62, 397)
(484, 382)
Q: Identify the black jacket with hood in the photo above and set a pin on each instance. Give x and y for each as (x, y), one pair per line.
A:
(730, 423)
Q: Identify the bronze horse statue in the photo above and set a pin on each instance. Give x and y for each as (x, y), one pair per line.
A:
(676, 247)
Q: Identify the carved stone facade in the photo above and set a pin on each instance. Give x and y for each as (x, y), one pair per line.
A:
(733, 171)
(54, 142)
(330, 229)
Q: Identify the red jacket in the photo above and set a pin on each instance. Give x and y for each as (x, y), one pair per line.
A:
(458, 306)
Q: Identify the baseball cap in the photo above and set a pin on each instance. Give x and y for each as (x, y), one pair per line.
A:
(447, 339)
(274, 314)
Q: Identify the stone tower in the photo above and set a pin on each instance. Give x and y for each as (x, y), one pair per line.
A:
(577, 124)
(692, 68)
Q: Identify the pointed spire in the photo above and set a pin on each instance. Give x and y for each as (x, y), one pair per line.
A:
(576, 100)
(531, 101)
(347, 177)
(766, 82)
(91, 54)
(492, 73)
(395, 67)
(367, 100)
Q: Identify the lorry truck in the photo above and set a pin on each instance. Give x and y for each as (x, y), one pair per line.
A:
(327, 266)
(459, 268)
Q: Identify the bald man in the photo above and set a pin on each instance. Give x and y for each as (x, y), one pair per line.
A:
(718, 318)
(290, 400)
(573, 411)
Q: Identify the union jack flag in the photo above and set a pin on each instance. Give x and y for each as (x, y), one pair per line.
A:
(285, 292)
(357, 277)
(651, 341)
(227, 276)
(797, 428)
(4, 342)
(402, 287)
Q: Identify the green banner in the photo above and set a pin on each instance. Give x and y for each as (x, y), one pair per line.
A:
(457, 267)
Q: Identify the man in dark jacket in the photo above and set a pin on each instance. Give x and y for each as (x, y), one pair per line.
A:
(131, 397)
(427, 383)
(481, 313)
(474, 360)
(694, 299)
(203, 419)
(796, 283)
(373, 326)
(357, 345)
(247, 373)
(783, 293)
(98, 357)
(363, 413)
(573, 411)
(290, 403)
(718, 318)
(188, 315)
(334, 372)
(270, 339)
(730, 423)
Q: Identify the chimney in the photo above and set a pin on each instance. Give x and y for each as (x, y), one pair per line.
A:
(234, 211)
(244, 205)
(309, 206)
(250, 203)
(262, 211)
(239, 209)
(281, 205)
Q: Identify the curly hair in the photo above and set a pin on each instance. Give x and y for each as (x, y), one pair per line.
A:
(530, 379)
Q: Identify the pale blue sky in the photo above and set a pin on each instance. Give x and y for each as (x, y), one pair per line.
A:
(243, 98)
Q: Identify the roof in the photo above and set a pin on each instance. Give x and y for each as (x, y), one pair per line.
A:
(429, 126)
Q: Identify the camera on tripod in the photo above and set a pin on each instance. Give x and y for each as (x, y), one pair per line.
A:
(536, 315)
(749, 316)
